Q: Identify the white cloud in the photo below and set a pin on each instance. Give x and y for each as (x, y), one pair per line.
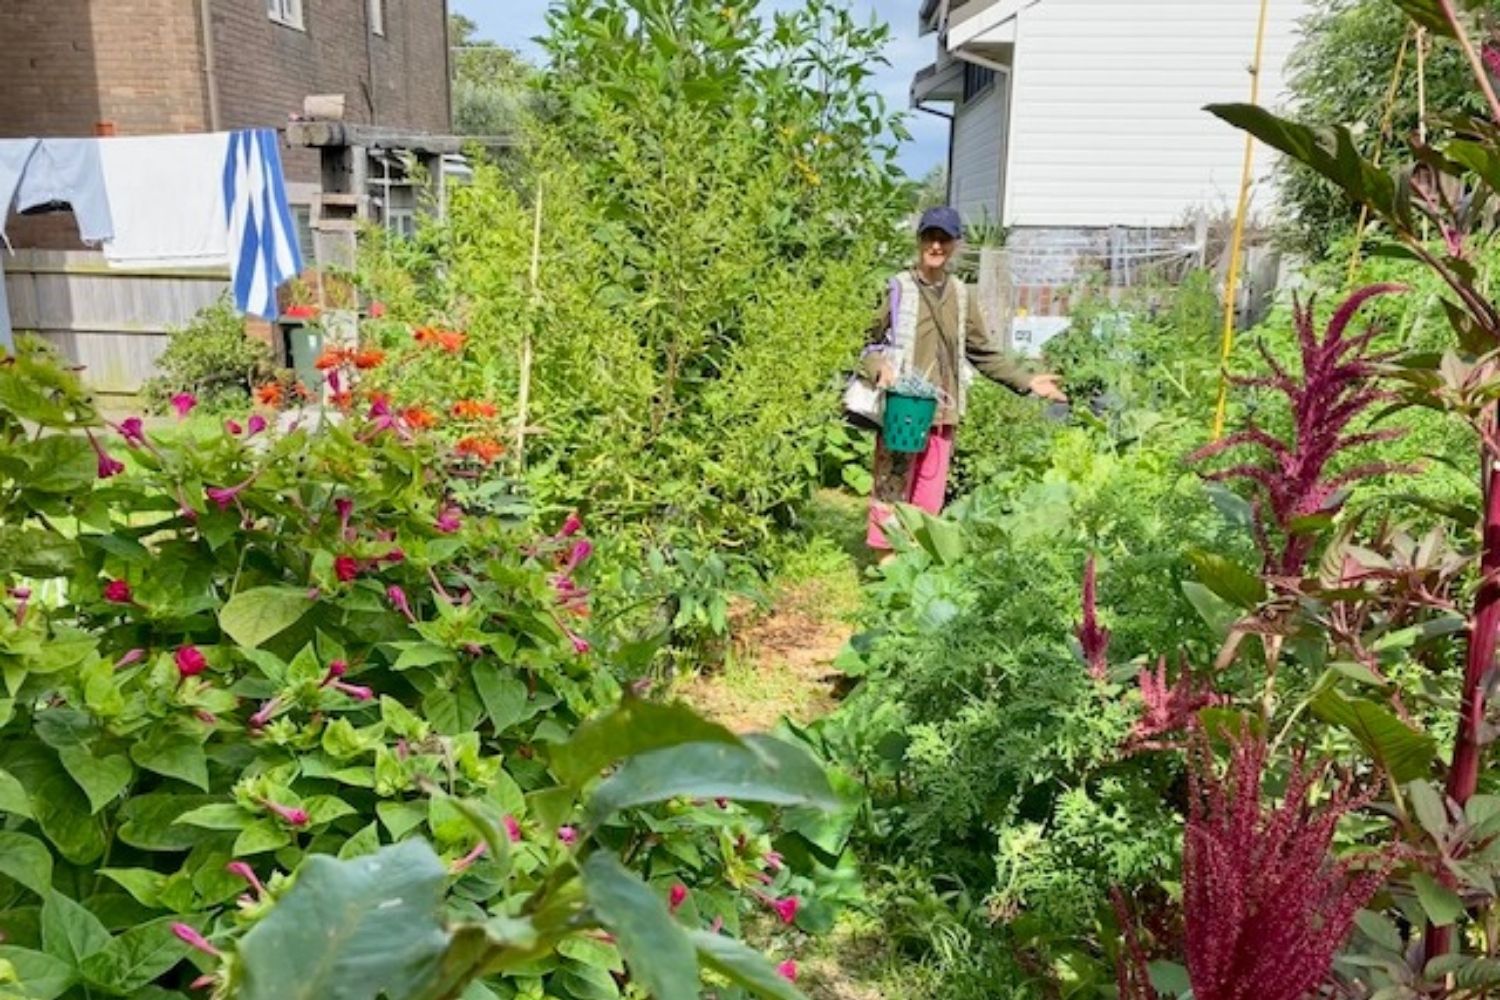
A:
(516, 22)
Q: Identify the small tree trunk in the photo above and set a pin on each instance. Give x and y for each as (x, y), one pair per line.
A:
(1463, 774)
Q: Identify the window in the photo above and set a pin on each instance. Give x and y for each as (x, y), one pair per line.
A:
(302, 220)
(287, 12)
(977, 80)
(377, 17)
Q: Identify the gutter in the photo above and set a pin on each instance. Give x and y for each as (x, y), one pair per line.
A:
(210, 74)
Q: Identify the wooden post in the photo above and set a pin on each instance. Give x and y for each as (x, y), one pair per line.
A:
(1237, 241)
(523, 403)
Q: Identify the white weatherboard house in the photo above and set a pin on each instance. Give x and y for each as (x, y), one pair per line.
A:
(1078, 124)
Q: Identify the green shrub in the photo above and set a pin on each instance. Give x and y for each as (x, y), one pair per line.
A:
(213, 359)
(252, 650)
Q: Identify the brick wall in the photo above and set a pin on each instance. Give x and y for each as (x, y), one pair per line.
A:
(71, 63)
(265, 69)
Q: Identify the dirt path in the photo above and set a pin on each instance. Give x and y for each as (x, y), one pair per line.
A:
(781, 662)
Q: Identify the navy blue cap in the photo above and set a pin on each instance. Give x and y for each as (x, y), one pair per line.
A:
(944, 219)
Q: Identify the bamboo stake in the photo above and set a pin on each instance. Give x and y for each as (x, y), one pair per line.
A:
(523, 404)
(1385, 129)
(1237, 241)
(1380, 143)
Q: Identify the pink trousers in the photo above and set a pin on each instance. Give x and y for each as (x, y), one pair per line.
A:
(919, 479)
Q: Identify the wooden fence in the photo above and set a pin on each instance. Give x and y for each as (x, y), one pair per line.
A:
(114, 322)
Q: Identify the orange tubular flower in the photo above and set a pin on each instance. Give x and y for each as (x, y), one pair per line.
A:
(419, 418)
(451, 340)
(332, 357)
(270, 394)
(369, 357)
(486, 449)
(473, 409)
(343, 400)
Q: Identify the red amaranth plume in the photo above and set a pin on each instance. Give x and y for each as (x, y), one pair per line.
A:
(1093, 638)
(1266, 906)
(1337, 384)
(1169, 707)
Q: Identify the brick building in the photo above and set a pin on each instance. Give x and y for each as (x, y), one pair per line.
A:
(148, 67)
(143, 67)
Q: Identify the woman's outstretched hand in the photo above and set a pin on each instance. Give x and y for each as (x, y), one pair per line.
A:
(1046, 387)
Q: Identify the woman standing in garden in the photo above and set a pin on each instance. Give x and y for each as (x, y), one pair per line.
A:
(927, 327)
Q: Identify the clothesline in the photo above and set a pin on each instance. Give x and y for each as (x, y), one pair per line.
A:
(204, 200)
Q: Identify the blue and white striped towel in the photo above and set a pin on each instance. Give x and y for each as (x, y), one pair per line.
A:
(263, 249)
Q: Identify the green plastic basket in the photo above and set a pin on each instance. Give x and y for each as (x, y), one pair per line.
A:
(908, 421)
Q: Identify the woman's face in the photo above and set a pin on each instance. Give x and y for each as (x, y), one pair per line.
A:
(936, 248)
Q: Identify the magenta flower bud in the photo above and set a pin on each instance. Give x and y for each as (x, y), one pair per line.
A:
(224, 495)
(571, 526)
(774, 861)
(397, 597)
(130, 657)
(183, 403)
(448, 520)
(255, 424)
(233, 427)
(336, 669)
(580, 644)
(133, 431)
(118, 592)
(463, 863)
(567, 835)
(356, 691)
(194, 940)
(190, 661)
(786, 908)
(512, 829)
(247, 873)
(787, 970)
(290, 815)
(676, 897)
(265, 712)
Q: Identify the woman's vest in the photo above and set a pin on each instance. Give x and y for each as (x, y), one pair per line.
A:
(906, 305)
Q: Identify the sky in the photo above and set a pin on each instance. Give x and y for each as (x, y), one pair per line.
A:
(515, 22)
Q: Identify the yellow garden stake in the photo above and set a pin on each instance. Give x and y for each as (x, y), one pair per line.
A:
(1237, 241)
(523, 401)
(1386, 119)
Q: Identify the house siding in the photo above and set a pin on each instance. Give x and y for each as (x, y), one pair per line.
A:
(1108, 125)
(979, 154)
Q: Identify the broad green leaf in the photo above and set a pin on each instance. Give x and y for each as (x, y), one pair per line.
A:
(1428, 14)
(1406, 753)
(69, 931)
(136, 957)
(102, 779)
(366, 841)
(253, 616)
(422, 654)
(1217, 613)
(218, 816)
(142, 883)
(504, 694)
(1229, 580)
(1331, 152)
(1380, 930)
(60, 463)
(40, 975)
(27, 860)
(13, 796)
(1441, 903)
(1427, 803)
(742, 965)
(654, 945)
(176, 755)
(635, 727)
(400, 818)
(150, 821)
(260, 836)
(351, 930)
(59, 806)
(763, 770)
